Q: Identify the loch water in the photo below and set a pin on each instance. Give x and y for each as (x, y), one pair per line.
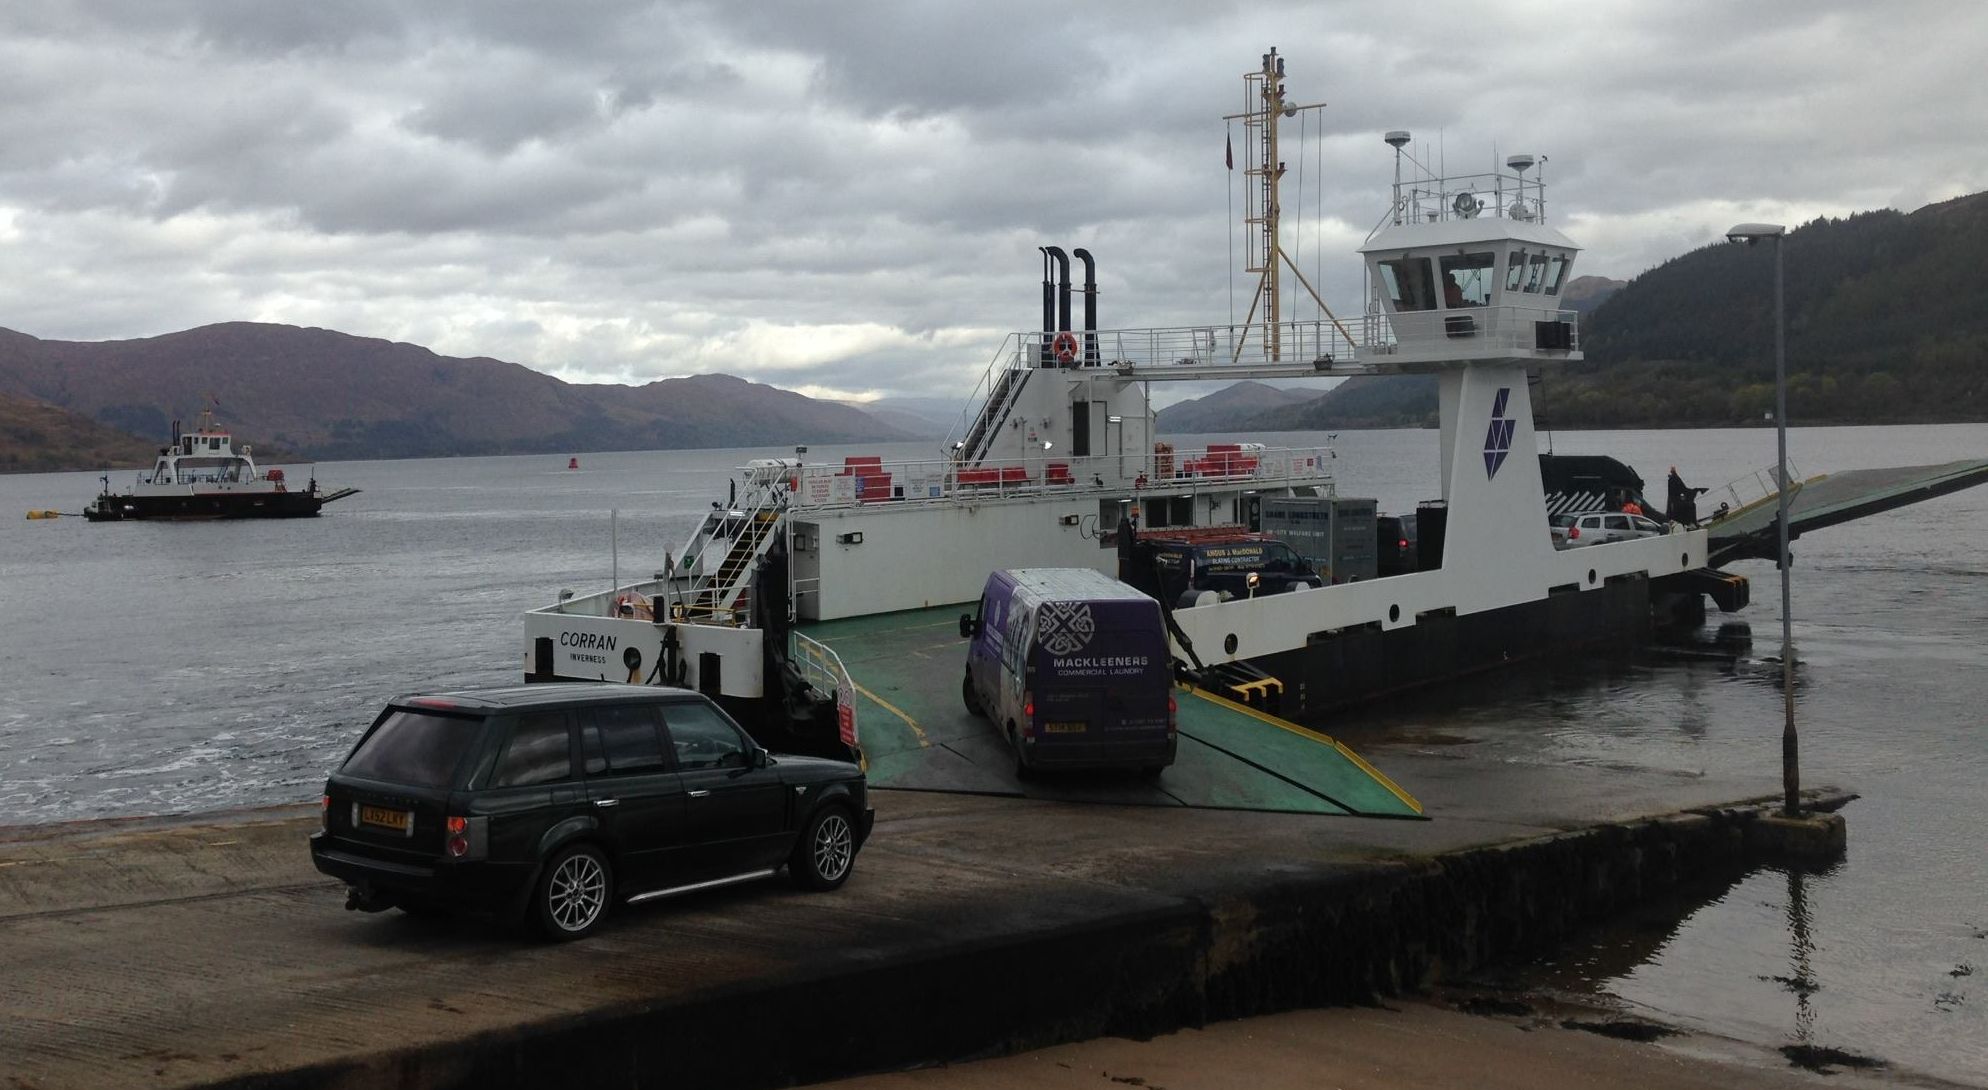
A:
(156, 668)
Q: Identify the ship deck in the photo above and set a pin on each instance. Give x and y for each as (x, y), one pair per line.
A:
(917, 735)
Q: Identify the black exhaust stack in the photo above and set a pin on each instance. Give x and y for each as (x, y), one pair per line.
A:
(1062, 260)
(1090, 307)
(1044, 357)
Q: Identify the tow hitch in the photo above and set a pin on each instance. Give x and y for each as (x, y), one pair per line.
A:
(364, 898)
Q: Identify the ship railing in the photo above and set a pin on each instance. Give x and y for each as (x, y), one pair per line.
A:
(976, 402)
(822, 669)
(1516, 330)
(700, 566)
(1751, 490)
(1318, 340)
(1493, 194)
(935, 482)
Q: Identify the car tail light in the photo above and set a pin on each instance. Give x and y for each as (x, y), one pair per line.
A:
(1573, 533)
(1173, 715)
(324, 813)
(1403, 543)
(466, 837)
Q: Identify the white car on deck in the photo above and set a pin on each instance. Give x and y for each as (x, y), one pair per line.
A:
(1571, 531)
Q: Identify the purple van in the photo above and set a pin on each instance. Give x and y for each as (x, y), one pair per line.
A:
(1074, 669)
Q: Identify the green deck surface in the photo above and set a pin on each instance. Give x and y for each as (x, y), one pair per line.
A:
(917, 735)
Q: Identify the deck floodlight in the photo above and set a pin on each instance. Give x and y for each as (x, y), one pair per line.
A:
(1754, 232)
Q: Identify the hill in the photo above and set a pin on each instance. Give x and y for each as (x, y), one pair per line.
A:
(36, 437)
(1228, 408)
(1584, 293)
(916, 417)
(330, 395)
(1882, 327)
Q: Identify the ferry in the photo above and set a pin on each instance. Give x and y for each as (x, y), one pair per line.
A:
(1058, 465)
(201, 474)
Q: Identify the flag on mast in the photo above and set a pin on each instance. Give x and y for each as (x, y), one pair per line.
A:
(1229, 150)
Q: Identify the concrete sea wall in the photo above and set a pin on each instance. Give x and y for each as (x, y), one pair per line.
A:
(1302, 935)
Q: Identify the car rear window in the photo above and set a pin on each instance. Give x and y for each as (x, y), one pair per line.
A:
(415, 748)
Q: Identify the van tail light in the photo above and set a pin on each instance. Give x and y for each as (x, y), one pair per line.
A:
(1028, 714)
(1403, 543)
(466, 838)
(1173, 715)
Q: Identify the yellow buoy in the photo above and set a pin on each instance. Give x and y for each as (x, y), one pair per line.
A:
(41, 514)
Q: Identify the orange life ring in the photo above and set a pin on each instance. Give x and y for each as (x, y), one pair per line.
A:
(1065, 346)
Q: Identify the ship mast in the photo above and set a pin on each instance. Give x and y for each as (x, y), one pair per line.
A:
(1265, 106)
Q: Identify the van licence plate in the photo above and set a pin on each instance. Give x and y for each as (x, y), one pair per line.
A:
(1065, 728)
(400, 821)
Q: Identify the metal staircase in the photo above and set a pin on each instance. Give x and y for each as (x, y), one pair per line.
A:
(993, 413)
(739, 539)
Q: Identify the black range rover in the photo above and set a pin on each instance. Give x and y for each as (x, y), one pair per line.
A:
(553, 802)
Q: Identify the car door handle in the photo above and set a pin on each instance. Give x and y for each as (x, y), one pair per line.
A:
(699, 794)
(607, 802)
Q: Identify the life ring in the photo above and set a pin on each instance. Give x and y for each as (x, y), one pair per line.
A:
(638, 606)
(1065, 347)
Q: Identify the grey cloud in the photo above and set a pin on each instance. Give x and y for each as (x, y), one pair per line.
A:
(609, 189)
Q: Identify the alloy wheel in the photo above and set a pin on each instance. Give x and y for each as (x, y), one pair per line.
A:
(834, 847)
(577, 892)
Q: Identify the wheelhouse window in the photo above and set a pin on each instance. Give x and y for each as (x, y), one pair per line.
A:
(1515, 270)
(1535, 273)
(1467, 279)
(1409, 283)
(1556, 268)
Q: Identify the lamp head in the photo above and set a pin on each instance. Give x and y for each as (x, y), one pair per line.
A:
(1753, 232)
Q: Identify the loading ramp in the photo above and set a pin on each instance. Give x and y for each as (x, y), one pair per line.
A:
(917, 735)
(1750, 531)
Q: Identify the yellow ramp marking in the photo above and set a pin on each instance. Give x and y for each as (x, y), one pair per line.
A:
(1316, 736)
(923, 742)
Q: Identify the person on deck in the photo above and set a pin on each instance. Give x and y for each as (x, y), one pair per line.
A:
(1683, 501)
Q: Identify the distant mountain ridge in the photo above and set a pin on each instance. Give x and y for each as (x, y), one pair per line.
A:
(1241, 402)
(330, 395)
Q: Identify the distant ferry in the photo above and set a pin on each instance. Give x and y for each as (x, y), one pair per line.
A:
(202, 475)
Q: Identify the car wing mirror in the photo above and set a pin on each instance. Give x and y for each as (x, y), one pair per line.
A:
(968, 626)
(760, 758)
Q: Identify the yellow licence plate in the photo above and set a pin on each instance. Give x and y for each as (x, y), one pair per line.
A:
(1066, 728)
(399, 821)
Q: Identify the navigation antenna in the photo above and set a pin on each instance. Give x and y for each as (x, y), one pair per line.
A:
(1263, 93)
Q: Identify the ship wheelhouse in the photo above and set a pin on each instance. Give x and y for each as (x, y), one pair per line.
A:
(1467, 269)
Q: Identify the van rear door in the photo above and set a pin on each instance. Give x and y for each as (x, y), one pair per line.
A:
(1099, 679)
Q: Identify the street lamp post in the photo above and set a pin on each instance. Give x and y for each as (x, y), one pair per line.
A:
(1791, 778)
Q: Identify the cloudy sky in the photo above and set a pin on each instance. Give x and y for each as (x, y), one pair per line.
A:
(846, 198)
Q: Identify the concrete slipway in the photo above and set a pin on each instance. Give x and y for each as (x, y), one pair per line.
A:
(205, 951)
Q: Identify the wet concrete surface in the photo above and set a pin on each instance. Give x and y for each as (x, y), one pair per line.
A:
(207, 951)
